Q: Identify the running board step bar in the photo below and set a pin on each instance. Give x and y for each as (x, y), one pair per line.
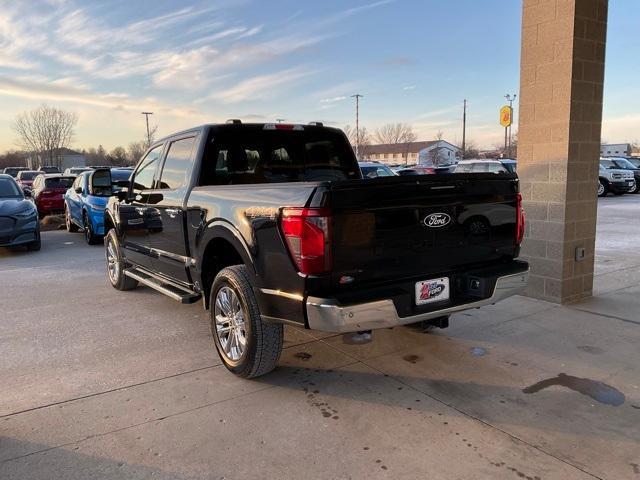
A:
(170, 289)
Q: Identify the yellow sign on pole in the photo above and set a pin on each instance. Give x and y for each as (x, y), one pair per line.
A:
(506, 116)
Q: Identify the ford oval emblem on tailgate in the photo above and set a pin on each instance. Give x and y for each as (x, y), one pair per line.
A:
(437, 220)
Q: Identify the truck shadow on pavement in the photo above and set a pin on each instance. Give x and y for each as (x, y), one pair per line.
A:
(68, 463)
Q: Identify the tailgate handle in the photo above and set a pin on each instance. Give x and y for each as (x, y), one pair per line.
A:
(443, 187)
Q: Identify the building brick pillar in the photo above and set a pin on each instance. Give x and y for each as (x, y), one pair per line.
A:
(561, 85)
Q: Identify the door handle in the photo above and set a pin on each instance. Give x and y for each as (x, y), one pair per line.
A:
(172, 212)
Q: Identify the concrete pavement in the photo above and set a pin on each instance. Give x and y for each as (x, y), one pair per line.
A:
(125, 385)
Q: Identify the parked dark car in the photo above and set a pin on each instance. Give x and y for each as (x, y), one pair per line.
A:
(625, 164)
(13, 171)
(509, 164)
(25, 178)
(425, 170)
(47, 192)
(19, 224)
(50, 169)
(375, 170)
(273, 224)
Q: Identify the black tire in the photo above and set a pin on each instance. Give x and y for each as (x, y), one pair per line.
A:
(89, 236)
(36, 244)
(603, 189)
(263, 340)
(119, 280)
(71, 227)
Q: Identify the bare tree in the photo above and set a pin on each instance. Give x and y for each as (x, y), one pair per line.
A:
(364, 137)
(153, 131)
(135, 150)
(118, 156)
(470, 151)
(395, 133)
(44, 131)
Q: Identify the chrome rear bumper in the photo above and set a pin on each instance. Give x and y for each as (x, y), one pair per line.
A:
(327, 315)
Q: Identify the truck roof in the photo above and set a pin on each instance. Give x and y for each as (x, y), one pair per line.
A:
(237, 124)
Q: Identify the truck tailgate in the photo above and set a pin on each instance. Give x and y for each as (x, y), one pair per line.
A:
(390, 228)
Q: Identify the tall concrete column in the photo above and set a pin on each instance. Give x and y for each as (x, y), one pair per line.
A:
(561, 84)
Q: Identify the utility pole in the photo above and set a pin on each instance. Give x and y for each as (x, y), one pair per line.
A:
(146, 116)
(507, 146)
(464, 126)
(357, 96)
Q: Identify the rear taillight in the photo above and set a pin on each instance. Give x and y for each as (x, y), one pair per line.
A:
(307, 233)
(520, 219)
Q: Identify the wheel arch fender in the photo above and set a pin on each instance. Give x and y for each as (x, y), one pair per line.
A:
(220, 245)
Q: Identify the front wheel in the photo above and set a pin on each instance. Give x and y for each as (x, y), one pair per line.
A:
(71, 227)
(116, 264)
(89, 236)
(635, 188)
(247, 346)
(36, 244)
(602, 189)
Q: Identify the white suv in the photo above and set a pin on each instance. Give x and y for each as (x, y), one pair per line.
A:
(614, 180)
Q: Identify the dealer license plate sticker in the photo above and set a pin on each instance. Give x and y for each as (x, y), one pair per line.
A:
(431, 291)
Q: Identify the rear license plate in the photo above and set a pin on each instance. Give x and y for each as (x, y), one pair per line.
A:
(431, 291)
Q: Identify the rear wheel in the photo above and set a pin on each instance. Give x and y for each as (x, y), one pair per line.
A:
(89, 236)
(116, 264)
(247, 346)
(71, 227)
(603, 189)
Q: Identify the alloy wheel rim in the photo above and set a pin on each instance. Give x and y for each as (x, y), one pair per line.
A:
(113, 268)
(230, 323)
(87, 229)
(600, 188)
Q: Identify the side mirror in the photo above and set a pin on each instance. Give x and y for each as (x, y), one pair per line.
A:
(27, 192)
(100, 182)
(78, 190)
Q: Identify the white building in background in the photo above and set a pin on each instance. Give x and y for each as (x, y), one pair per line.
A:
(616, 150)
(439, 152)
(62, 157)
(411, 153)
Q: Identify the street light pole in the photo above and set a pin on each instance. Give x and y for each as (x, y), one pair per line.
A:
(510, 99)
(146, 116)
(357, 96)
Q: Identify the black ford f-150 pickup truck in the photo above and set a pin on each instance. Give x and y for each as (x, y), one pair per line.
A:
(273, 223)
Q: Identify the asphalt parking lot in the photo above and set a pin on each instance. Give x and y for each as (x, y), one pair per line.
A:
(97, 383)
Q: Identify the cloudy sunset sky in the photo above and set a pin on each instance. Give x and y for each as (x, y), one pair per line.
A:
(195, 62)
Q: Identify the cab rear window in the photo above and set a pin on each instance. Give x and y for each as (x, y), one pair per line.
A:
(274, 156)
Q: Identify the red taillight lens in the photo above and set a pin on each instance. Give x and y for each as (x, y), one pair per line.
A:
(520, 219)
(307, 233)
